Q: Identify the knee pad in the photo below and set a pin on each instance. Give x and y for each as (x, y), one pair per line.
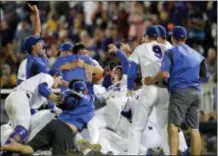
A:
(20, 134)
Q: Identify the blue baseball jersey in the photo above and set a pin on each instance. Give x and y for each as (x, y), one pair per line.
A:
(76, 73)
(183, 64)
(82, 114)
(36, 65)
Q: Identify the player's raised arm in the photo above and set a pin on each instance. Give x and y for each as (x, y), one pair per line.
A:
(132, 72)
(123, 59)
(37, 22)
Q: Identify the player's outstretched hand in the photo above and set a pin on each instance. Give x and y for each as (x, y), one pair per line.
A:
(125, 48)
(112, 48)
(33, 8)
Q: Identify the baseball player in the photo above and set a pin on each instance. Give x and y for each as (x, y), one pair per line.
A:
(37, 60)
(74, 65)
(21, 75)
(97, 70)
(115, 98)
(148, 56)
(109, 115)
(182, 66)
(78, 109)
(31, 92)
(163, 35)
(116, 141)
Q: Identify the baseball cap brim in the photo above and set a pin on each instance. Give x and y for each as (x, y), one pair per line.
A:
(76, 93)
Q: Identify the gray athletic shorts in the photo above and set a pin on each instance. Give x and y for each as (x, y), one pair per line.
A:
(184, 105)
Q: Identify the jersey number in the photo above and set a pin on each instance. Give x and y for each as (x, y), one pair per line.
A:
(157, 51)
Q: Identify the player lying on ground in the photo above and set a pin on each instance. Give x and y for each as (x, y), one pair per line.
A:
(115, 97)
(116, 141)
(78, 109)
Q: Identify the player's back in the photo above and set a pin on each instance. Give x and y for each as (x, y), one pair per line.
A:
(35, 65)
(30, 85)
(150, 57)
(76, 73)
(81, 114)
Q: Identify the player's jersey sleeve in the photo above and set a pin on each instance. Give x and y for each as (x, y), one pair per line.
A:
(95, 62)
(38, 67)
(21, 76)
(46, 78)
(58, 63)
(89, 60)
(134, 56)
(133, 67)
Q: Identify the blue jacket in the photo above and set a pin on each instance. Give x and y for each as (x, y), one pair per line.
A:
(76, 73)
(81, 114)
(183, 64)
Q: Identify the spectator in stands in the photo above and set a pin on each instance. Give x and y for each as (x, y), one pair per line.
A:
(211, 62)
(6, 33)
(8, 79)
(23, 30)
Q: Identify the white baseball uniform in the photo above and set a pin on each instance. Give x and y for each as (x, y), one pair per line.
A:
(21, 75)
(25, 96)
(109, 115)
(149, 57)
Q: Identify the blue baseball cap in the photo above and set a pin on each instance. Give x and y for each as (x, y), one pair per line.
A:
(66, 47)
(30, 41)
(152, 31)
(179, 32)
(77, 85)
(55, 72)
(162, 31)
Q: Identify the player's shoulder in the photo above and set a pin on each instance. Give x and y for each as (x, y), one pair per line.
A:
(140, 47)
(24, 61)
(95, 62)
(87, 59)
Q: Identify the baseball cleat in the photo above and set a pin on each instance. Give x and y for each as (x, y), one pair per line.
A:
(84, 144)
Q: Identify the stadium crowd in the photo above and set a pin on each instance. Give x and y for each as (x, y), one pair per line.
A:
(98, 24)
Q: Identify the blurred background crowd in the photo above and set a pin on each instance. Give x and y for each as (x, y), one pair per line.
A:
(98, 24)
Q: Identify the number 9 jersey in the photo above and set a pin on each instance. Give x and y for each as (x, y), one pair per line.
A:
(148, 56)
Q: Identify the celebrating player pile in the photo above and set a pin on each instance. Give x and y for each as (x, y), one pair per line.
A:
(127, 118)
